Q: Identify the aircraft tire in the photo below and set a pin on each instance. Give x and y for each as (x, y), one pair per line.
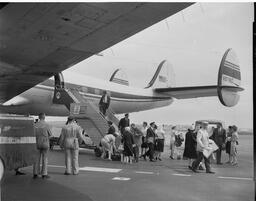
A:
(1, 169)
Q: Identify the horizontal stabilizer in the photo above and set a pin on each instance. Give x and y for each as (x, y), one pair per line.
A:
(196, 91)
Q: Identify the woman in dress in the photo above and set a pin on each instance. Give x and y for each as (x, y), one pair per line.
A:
(233, 146)
(228, 143)
(144, 145)
(128, 142)
(159, 142)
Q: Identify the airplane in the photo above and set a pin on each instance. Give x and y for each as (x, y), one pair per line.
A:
(40, 40)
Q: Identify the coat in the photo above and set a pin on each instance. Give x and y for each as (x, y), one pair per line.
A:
(190, 145)
(219, 136)
(108, 100)
(151, 136)
(123, 123)
(128, 142)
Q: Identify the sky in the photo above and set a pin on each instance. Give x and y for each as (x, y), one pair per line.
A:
(193, 41)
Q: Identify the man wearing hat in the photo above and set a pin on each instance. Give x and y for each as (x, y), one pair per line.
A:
(202, 144)
(124, 122)
(104, 102)
(70, 134)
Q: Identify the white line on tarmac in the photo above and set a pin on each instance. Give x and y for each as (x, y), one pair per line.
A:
(182, 175)
(238, 178)
(121, 178)
(56, 166)
(143, 172)
(98, 169)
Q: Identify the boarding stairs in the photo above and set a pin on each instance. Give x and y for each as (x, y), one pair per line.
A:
(86, 112)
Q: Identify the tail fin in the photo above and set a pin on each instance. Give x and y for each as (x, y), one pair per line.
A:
(229, 77)
(164, 76)
(119, 77)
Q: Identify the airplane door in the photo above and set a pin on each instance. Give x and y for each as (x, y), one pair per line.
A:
(59, 81)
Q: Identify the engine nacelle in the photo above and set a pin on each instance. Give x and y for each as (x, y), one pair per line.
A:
(229, 79)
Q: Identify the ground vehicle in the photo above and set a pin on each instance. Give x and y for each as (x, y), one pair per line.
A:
(212, 124)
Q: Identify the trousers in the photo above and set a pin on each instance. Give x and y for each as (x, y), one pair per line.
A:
(200, 157)
(41, 156)
(71, 161)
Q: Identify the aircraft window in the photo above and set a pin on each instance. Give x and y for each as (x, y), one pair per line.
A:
(91, 90)
(97, 91)
(84, 89)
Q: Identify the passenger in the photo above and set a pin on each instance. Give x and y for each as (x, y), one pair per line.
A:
(124, 122)
(172, 141)
(70, 136)
(151, 142)
(233, 146)
(104, 102)
(219, 137)
(137, 136)
(144, 145)
(108, 145)
(128, 141)
(202, 143)
(190, 146)
(178, 142)
(43, 133)
(111, 129)
(228, 143)
(159, 142)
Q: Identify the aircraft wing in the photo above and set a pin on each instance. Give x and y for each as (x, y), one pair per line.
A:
(38, 40)
(196, 91)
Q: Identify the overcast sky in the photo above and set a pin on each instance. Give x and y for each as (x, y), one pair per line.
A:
(194, 41)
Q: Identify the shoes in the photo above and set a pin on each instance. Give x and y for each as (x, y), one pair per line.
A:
(228, 162)
(171, 157)
(190, 167)
(67, 173)
(20, 173)
(210, 172)
(35, 176)
(200, 167)
(219, 163)
(152, 161)
(45, 177)
(144, 156)
(159, 159)
(234, 164)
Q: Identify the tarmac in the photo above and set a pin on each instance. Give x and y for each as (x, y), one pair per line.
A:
(164, 180)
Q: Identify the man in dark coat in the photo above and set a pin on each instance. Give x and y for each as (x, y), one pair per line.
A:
(219, 137)
(150, 137)
(104, 102)
(124, 122)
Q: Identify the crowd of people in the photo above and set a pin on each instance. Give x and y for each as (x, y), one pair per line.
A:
(131, 143)
(134, 142)
(198, 142)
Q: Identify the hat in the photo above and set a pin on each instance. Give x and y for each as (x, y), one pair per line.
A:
(152, 123)
(110, 122)
(70, 118)
(126, 114)
(205, 122)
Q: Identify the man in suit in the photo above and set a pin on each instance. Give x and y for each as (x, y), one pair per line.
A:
(150, 138)
(219, 137)
(124, 122)
(104, 102)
